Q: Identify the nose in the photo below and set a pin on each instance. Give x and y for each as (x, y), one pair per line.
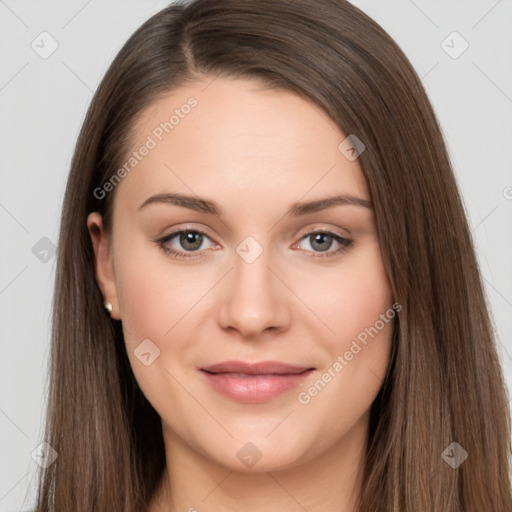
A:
(254, 300)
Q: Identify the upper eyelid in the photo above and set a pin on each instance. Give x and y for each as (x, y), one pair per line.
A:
(321, 229)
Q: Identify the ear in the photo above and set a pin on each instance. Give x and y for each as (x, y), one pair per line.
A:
(103, 262)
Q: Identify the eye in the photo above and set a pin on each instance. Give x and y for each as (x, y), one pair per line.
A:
(321, 241)
(190, 240)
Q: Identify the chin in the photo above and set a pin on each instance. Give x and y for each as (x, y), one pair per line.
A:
(261, 455)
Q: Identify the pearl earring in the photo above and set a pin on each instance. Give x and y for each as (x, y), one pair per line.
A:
(108, 306)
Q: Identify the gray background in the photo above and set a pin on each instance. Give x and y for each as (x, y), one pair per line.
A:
(43, 103)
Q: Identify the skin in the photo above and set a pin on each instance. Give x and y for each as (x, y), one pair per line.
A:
(254, 151)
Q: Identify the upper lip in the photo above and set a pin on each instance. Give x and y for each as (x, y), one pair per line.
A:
(260, 368)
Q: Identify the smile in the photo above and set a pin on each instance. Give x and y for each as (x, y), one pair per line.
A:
(254, 383)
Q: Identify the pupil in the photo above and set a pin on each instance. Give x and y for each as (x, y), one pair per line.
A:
(190, 237)
(321, 238)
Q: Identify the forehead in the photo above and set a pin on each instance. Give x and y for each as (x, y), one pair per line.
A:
(244, 145)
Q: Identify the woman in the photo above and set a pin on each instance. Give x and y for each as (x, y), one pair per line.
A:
(323, 343)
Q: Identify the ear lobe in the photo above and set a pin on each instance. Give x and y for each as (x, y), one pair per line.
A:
(103, 262)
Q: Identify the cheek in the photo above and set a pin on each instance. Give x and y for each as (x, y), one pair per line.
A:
(152, 294)
(158, 302)
(151, 304)
(371, 319)
(142, 303)
(357, 294)
(357, 356)
(359, 313)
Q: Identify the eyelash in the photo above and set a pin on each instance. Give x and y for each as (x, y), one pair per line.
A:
(162, 243)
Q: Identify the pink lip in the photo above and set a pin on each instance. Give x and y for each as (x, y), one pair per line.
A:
(254, 382)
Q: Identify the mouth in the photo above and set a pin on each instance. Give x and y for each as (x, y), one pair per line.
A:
(254, 382)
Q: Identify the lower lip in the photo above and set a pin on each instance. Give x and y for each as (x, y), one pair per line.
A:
(254, 388)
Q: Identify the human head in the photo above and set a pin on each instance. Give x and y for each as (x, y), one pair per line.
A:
(336, 57)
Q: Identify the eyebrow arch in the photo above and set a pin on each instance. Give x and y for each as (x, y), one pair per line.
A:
(296, 209)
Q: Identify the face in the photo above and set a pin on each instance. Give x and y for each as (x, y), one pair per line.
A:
(288, 306)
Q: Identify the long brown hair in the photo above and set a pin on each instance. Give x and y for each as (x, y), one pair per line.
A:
(444, 383)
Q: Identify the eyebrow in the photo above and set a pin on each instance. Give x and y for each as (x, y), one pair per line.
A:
(296, 209)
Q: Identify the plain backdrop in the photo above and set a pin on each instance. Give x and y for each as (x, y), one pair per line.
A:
(43, 100)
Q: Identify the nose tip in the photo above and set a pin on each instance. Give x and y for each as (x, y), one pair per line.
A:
(252, 316)
(253, 301)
